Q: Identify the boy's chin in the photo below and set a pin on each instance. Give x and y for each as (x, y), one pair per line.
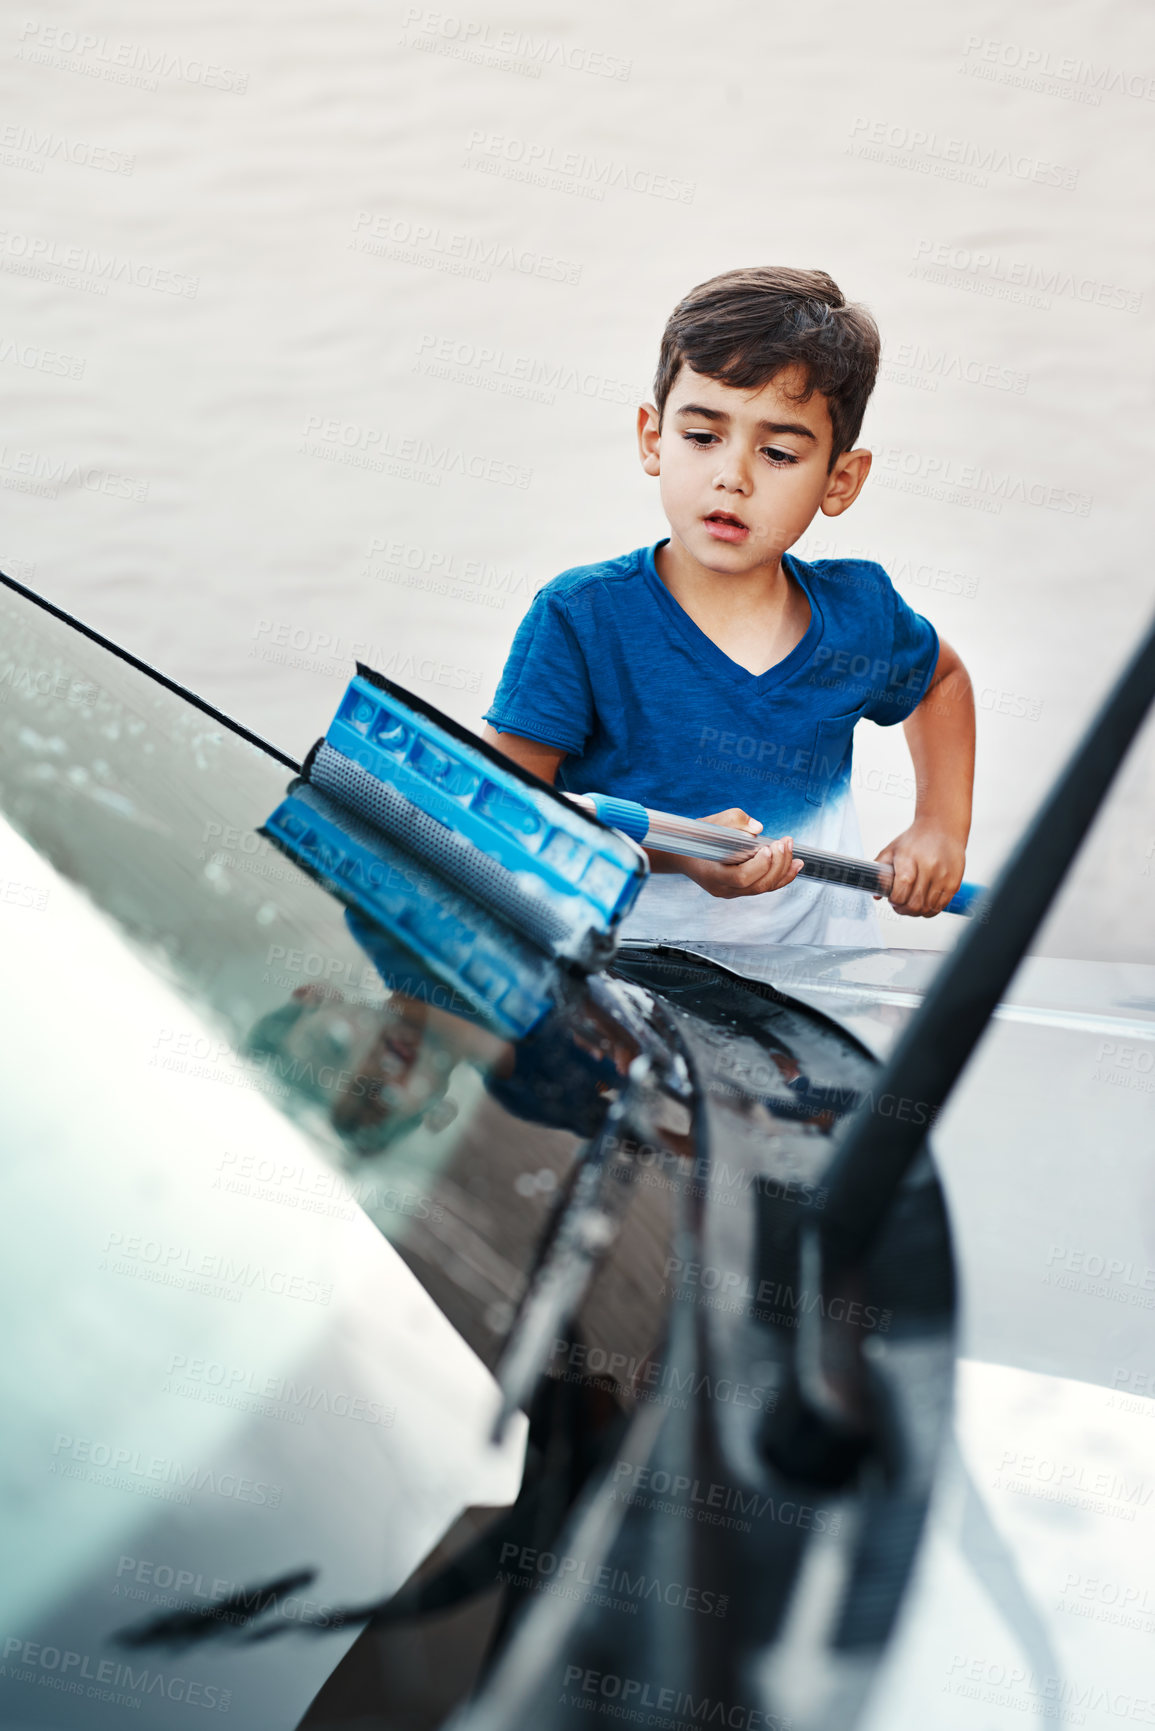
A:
(729, 556)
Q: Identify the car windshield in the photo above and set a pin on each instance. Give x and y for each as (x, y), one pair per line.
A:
(454, 1141)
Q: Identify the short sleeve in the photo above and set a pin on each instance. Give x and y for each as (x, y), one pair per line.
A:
(544, 693)
(910, 662)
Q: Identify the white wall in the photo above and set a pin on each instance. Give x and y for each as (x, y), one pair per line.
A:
(277, 163)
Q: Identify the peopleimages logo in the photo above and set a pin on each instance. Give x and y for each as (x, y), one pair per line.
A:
(1107, 1600)
(23, 147)
(912, 363)
(569, 170)
(730, 1289)
(714, 1504)
(174, 1261)
(379, 448)
(646, 1703)
(1028, 66)
(507, 49)
(647, 1379)
(551, 1571)
(1065, 1700)
(27, 471)
(940, 261)
(121, 1685)
(238, 1385)
(936, 153)
(486, 366)
(37, 360)
(38, 254)
(433, 248)
(441, 573)
(15, 893)
(124, 1468)
(122, 62)
(995, 487)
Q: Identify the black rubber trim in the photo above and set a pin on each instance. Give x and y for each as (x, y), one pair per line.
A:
(143, 667)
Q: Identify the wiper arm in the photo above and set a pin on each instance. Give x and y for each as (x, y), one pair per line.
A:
(876, 1151)
(824, 1418)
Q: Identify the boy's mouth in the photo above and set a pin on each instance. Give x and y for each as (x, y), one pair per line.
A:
(725, 526)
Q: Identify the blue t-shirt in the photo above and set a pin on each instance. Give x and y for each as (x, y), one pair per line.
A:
(607, 667)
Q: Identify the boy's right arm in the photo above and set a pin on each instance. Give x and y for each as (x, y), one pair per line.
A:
(769, 868)
(540, 760)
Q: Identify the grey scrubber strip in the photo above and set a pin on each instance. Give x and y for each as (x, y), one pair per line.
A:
(451, 854)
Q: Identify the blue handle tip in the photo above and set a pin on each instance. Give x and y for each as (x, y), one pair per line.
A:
(964, 898)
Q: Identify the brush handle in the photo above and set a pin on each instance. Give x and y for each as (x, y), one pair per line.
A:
(666, 833)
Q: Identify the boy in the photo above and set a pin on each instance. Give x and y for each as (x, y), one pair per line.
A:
(715, 669)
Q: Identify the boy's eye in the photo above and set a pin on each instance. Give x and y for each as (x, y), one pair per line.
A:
(773, 453)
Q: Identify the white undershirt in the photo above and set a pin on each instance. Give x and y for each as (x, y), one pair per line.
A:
(672, 908)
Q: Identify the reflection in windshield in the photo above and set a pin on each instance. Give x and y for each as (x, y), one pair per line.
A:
(381, 1072)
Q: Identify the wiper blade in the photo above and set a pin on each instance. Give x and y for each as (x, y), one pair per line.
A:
(582, 1232)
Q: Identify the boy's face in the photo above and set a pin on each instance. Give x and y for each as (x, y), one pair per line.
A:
(744, 472)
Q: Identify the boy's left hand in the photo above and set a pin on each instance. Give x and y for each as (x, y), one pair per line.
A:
(928, 861)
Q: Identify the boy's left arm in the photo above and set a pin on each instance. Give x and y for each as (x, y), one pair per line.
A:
(929, 857)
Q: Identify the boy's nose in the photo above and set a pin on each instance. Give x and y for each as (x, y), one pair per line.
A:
(733, 477)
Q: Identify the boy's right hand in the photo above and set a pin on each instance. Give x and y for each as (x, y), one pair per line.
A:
(770, 867)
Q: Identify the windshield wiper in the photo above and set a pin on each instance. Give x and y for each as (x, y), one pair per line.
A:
(825, 1422)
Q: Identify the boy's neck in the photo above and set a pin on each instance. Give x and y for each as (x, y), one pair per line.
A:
(756, 617)
(757, 587)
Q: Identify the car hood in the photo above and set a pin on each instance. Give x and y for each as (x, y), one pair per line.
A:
(873, 993)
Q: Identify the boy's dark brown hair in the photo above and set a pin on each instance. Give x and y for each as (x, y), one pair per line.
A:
(745, 326)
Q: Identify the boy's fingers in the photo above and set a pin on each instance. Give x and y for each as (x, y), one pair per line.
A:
(935, 895)
(750, 872)
(770, 868)
(905, 878)
(737, 877)
(785, 861)
(886, 857)
(922, 899)
(735, 818)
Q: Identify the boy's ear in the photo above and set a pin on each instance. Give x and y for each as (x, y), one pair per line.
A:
(648, 436)
(846, 482)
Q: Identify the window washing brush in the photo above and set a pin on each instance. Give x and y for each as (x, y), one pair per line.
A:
(697, 839)
(475, 865)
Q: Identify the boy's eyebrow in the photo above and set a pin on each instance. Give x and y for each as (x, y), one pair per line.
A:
(699, 411)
